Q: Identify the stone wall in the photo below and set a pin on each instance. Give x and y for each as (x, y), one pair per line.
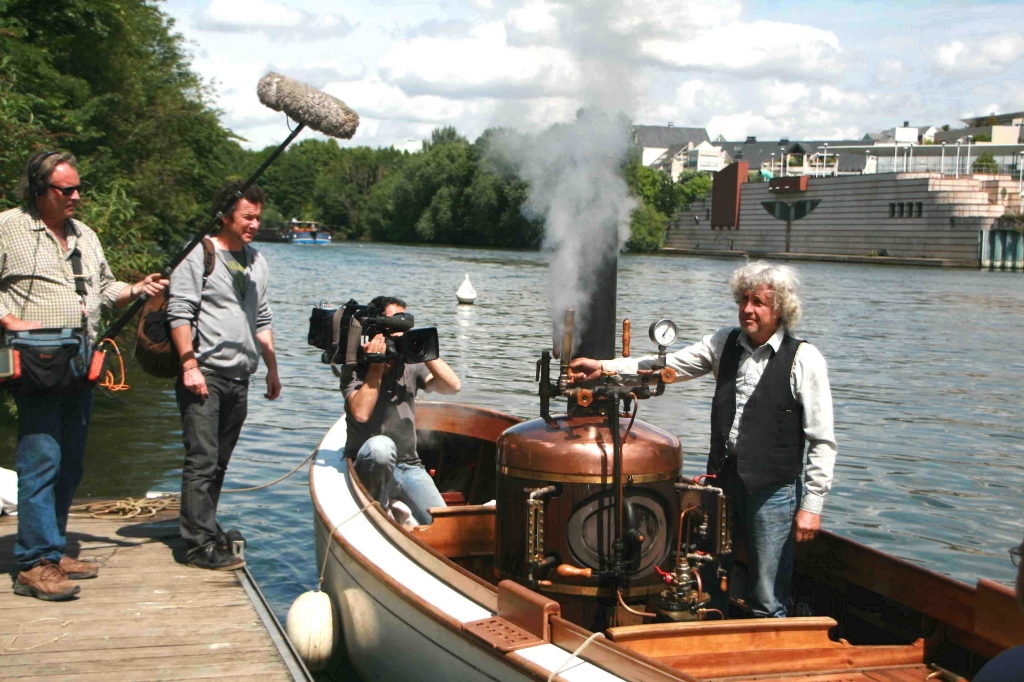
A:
(858, 215)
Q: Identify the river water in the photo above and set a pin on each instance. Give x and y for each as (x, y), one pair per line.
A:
(925, 364)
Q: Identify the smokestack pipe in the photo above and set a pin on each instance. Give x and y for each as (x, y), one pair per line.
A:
(597, 339)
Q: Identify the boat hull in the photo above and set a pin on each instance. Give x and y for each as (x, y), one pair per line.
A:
(397, 620)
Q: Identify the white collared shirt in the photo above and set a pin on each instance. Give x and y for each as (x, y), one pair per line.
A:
(808, 382)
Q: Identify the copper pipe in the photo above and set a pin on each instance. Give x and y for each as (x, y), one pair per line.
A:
(700, 585)
(701, 613)
(642, 614)
(625, 338)
(679, 538)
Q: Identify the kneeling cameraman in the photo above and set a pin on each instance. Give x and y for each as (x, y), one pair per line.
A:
(380, 414)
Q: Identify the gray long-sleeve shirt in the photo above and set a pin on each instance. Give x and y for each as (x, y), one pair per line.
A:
(231, 309)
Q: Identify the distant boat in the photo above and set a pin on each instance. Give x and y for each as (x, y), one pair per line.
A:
(307, 232)
(466, 293)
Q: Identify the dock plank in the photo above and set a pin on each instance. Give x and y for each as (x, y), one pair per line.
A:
(146, 617)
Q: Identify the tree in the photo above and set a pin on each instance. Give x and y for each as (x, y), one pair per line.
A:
(647, 229)
(986, 163)
(108, 81)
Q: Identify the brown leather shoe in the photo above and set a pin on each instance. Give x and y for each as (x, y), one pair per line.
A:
(79, 570)
(47, 581)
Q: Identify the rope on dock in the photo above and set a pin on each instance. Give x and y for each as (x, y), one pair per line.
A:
(63, 624)
(128, 508)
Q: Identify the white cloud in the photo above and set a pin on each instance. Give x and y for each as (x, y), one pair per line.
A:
(990, 54)
(755, 48)
(276, 21)
(377, 99)
(891, 71)
(482, 65)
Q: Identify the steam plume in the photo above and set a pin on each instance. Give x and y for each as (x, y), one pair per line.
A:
(575, 170)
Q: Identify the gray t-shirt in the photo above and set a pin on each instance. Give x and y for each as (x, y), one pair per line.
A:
(227, 313)
(394, 415)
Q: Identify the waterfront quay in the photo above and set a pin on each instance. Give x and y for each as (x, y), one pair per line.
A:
(895, 218)
(145, 617)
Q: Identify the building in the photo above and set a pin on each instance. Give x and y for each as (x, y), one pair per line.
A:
(996, 134)
(957, 221)
(662, 143)
(1014, 119)
(803, 157)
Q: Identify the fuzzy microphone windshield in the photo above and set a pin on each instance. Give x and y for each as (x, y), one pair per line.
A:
(307, 105)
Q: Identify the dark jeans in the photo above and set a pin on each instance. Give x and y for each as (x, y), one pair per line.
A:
(51, 448)
(210, 429)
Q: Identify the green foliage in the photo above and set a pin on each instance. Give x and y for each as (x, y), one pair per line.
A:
(647, 229)
(986, 163)
(108, 81)
(982, 137)
(451, 192)
(111, 213)
(660, 198)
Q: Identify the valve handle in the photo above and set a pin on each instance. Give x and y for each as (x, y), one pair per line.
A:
(668, 375)
(570, 571)
(625, 338)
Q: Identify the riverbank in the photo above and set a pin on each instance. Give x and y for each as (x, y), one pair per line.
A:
(825, 258)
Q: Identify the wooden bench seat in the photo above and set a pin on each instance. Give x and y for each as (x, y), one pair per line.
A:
(460, 532)
(731, 648)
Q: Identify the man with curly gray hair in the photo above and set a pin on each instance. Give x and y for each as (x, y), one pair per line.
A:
(771, 421)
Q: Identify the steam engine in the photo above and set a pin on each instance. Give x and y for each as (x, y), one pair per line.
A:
(593, 511)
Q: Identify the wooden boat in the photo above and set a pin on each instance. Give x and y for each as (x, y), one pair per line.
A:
(425, 603)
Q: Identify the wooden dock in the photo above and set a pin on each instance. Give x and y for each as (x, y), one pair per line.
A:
(146, 617)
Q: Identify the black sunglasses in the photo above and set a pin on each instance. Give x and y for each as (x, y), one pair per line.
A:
(68, 191)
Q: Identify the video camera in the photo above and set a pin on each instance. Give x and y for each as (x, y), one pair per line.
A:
(341, 333)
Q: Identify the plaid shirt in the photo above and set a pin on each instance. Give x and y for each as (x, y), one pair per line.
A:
(37, 282)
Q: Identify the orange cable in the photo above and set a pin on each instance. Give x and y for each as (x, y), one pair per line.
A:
(109, 382)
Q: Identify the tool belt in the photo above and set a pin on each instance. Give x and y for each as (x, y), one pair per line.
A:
(47, 361)
(41, 362)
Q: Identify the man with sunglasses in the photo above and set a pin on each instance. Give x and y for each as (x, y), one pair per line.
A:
(220, 325)
(38, 243)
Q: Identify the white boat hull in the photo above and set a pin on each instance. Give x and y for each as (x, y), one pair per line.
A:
(388, 634)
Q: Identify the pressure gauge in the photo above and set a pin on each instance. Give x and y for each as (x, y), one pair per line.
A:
(663, 332)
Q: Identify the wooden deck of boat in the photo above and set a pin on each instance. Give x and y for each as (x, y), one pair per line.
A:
(145, 617)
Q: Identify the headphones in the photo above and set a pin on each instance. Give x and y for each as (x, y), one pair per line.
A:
(36, 186)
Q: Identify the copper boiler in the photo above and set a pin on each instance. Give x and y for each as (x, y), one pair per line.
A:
(540, 540)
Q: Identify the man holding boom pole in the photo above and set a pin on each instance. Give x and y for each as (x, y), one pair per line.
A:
(220, 325)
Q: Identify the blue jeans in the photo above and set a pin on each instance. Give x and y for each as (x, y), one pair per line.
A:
(51, 448)
(765, 519)
(386, 479)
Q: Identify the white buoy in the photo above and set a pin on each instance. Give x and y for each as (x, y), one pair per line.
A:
(310, 627)
(466, 293)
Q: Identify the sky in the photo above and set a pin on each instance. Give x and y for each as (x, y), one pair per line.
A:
(780, 69)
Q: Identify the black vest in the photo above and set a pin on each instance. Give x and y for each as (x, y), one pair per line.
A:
(770, 446)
